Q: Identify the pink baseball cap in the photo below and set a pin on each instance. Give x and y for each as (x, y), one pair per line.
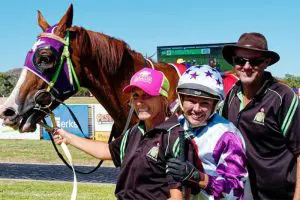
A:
(149, 80)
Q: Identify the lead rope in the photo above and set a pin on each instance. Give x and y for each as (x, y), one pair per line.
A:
(150, 62)
(52, 130)
(128, 118)
(182, 157)
(72, 75)
(72, 78)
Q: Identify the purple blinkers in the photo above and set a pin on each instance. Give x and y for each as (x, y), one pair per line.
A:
(44, 59)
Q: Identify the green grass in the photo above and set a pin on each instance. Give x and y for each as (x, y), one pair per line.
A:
(81, 100)
(42, 190)
(41, 151)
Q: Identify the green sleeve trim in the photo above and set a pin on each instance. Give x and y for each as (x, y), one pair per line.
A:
(289, 116)
(141, 128)
(123, 144)
(240, 96)
(176, 148)
(170, 129)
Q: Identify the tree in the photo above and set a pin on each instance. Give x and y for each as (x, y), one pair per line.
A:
(7, 83)
(292, 81)
(9, 79)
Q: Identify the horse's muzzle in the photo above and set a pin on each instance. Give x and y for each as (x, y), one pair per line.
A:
(8, 113)
(9, 116)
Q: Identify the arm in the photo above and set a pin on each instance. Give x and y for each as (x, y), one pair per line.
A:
(230, 170)
(297, 188)
(291, 131)
(97, 149)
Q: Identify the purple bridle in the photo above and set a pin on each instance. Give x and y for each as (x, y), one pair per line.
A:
(62, 80)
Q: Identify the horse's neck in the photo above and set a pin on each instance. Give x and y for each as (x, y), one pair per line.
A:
(106, 82)
(106, 66)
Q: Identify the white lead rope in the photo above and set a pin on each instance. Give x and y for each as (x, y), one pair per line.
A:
(68, 155)
(66, 152)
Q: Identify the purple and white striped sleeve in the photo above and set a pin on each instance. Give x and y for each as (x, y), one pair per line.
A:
(229, 154)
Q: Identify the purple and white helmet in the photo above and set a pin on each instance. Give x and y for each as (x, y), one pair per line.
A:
(202, 81)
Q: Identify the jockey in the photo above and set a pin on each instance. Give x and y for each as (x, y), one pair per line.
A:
(217, 142)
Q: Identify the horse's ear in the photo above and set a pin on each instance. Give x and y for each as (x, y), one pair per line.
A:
(66, 21)
(42, 22)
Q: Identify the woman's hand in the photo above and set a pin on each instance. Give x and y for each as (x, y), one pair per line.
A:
(60, 135)
(94, 148)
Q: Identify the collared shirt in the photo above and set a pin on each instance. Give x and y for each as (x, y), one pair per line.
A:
(270, 126)
(142, 158)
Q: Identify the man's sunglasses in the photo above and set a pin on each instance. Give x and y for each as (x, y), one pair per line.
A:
(252, 61)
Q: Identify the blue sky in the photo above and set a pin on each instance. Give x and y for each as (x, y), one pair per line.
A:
(144, 25)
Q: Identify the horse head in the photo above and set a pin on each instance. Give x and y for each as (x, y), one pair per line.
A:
(46, 79)
(66, 56)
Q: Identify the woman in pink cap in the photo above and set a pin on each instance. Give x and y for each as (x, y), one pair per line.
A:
(142, 152)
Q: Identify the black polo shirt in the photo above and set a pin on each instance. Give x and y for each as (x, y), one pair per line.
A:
(142, 157)
(270, 126)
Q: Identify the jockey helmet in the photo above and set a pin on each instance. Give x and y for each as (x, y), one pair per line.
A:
(202, 81)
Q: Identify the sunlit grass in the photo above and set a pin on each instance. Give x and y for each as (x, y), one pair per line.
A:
(33, 151)
(81, 100)
(42, 190)
(41, 151)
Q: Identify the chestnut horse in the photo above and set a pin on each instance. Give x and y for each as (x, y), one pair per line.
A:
(66, 57)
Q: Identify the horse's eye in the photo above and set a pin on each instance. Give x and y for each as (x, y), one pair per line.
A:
(45, 58)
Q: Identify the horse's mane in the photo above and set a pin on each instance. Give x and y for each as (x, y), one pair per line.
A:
(107, 51)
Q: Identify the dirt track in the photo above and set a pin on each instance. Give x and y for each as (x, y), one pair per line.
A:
(56, 173)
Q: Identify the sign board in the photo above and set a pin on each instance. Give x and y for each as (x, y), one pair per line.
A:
(102, 136)
(9, 133)
(197, 54)
(103, 121)
(181, 52)
(64, 120)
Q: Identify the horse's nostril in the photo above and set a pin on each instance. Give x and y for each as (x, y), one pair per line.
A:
(9, 112)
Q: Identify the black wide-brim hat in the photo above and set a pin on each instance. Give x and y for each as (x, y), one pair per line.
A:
(253, 42)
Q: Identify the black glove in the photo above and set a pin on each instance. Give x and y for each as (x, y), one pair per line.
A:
(184, 171)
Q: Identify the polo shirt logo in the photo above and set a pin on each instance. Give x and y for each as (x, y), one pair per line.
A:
(153, 152)
(260, 117)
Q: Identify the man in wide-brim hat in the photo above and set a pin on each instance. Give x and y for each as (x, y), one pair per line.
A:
(252, 42)
(267, 112)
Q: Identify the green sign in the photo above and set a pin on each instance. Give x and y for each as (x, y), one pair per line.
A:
(179, 52)
(198, 54)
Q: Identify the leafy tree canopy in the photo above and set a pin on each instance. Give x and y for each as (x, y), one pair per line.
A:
(292, 81)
